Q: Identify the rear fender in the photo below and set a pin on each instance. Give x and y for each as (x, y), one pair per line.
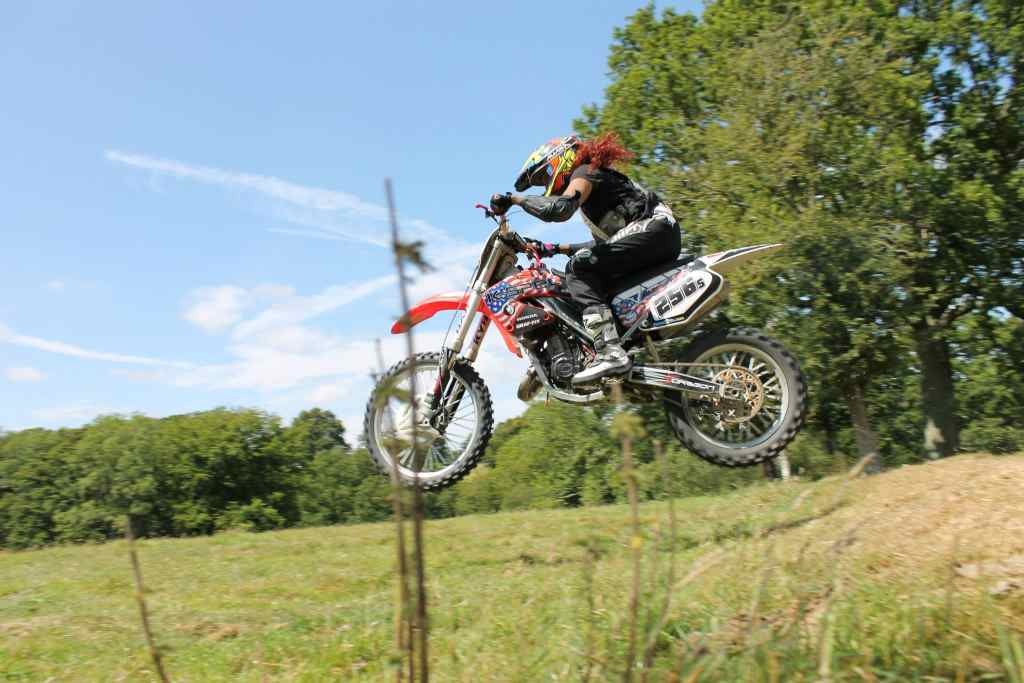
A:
(456, 301)
(725, 261)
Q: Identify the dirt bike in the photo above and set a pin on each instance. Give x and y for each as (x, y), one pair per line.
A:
(735, 397)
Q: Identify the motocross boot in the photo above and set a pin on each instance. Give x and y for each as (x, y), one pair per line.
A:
(611, 358)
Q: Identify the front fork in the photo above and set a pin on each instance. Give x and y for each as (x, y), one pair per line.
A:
(447, 394)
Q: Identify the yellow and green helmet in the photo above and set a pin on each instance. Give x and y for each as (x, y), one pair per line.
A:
(550, 165)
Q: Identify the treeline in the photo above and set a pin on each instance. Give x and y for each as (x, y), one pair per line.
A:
(177, 476)
(226, 469)
(883, 143)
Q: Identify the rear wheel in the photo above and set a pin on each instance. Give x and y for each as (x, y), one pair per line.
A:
(753, 429)
(452, 447)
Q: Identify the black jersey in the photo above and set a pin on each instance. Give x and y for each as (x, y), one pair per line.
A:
(615, 201)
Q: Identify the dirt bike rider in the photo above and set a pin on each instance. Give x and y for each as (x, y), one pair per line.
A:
(632, 229)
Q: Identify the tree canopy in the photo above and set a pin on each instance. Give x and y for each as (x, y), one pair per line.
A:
(881, 141)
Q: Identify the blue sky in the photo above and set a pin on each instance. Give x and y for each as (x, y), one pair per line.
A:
(192, 193)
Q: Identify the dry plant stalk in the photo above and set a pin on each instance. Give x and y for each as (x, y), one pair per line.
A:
(951, 580)
(140, 598)
(659, 623)
(418, 653)
(403, 640)
(827, 629)
(627, 427)
(589, 567)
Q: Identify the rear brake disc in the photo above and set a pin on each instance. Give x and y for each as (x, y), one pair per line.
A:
(743, 394)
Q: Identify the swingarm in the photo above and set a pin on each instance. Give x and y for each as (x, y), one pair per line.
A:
(732, 387)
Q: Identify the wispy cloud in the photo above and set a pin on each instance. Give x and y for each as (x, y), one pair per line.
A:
(322, 213)
(285, 359)
(331, 225)
(8, 336)
(24, 374)
(270, 344)
(318, 212)
(298, 308)
(76, 413)
(56, 285)
(300, 195)
(216, 309)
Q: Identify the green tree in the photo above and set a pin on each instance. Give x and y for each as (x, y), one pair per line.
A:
(556, 449)
(343, 487)
(33, 484)
(313, 431)
(989, 356)
(879, 140)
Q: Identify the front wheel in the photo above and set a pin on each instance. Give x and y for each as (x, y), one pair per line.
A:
(773, 405)
(452, 446)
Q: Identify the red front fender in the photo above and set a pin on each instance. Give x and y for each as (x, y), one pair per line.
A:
(430, 306)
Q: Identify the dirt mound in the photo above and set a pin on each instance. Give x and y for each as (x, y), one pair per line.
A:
(964, 513)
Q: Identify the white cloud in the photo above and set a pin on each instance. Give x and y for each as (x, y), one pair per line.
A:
(272, 347)
(215, 309)
(296, 309)
(334, 226)
(73, 414)
(56, 285)
(331, 392)
(292, 193)
(24, 374)
(318, 212)
(324, 213)
(284, 360)
(8, 336)
(440, 281)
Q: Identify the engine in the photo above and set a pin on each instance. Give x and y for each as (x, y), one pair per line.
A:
(562, 358)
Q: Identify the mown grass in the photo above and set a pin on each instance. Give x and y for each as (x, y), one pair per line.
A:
(877, 579)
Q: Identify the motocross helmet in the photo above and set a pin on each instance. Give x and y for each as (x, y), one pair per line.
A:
(550, 165)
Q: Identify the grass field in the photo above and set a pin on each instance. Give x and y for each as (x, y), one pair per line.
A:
(916, 574)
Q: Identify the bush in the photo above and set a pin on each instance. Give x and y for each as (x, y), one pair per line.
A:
(253, 516)
(991, 434)
(85, 523)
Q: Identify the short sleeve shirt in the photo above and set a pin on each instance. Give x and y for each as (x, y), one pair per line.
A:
(614, 202)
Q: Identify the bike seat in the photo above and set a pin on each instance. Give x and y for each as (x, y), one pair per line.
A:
(630, 280)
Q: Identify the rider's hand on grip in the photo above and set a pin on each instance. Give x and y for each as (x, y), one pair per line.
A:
(542, 248)
(500, 203)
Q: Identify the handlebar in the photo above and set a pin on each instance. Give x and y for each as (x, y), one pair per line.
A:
(504, 231)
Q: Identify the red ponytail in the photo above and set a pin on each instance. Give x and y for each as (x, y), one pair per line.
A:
(603, 151)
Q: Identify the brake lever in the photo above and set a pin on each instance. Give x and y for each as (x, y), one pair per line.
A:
(487, 212)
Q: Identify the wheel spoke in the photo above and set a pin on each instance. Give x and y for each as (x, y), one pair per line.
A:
(770, 404)
(461, 421)
(405, 457)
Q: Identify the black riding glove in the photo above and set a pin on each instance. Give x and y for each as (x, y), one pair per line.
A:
(500, 203)
(542, 248)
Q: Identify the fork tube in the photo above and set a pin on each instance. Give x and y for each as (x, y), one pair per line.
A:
(497, 251)
(474, 346)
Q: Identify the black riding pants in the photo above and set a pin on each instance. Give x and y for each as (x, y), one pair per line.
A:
(639, 245)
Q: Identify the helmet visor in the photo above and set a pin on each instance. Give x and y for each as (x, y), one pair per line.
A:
(541, 177)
